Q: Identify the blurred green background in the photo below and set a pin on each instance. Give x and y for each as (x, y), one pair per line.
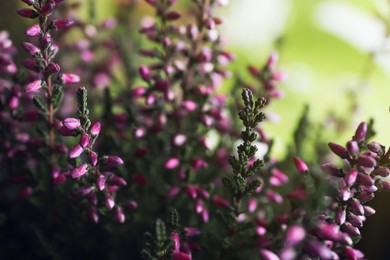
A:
(336, 54)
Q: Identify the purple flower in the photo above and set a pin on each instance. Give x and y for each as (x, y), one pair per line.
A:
(79, 171)
(109, 202)
(93, 159)
(119, 181)
(101, 182)
(144, 72)
(84, 140)
(33, 87)
(172, 15)
(53, 67)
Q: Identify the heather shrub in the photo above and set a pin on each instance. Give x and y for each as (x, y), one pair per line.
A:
(117, 148)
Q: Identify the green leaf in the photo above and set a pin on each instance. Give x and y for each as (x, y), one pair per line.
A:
(40, 104)
(174, 219)
(57, 96)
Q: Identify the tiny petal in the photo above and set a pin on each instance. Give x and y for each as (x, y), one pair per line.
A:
(366, 161)
(53, 67)
(176, 242)
(144, 72)
(101, 182)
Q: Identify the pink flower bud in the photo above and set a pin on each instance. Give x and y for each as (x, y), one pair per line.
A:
(351, 230)
(353, 254)
(137, 92)
(53, 67)
(340, 216)
(84, 140)
(101, 182)
(25, 193)
(172, 163)
(268, 255)
(189, 105)
(33, 87)
(350, 177)
(272, 60)
(357, 207)
(354, 220)
(352, 147)
(374, 147)
(33, 30)
(112, 161)
(197, 164)
(300, 165)
(180, 256)
(345, 194)
(119, 181)
(75, 152)
(172, 15)
(31, 65)
(331, 169)
(68, 78)
(47, 8)
(365, 196)
(93, 159)
(381, 171)
(294, 235)
(31, 49)
(315, 247)
(93, 214)
(191, 191)
(384, 185)
(95, 129)
(220, 201)
(338, 150)
(191, 231)
(366, 161)
(274, 196)
(279, 76)
(120, 216)
(79, 171)
(328, 231)
(179, 139)
(361, 132)
(368, 211)
(205, 216)
(365, 179)
(288, 253)
(84, 191)
(71, 123)
(62, 24)
(27, 13)
(144, 72)
(29, 2)
(252, 205)
(109, 202)
(61, 178)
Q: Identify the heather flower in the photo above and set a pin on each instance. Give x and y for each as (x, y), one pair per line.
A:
(268, 255)
(120, 216)
(28, 13)
(338, 150)
(294, 235)
(361, 132)
(109, 202)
